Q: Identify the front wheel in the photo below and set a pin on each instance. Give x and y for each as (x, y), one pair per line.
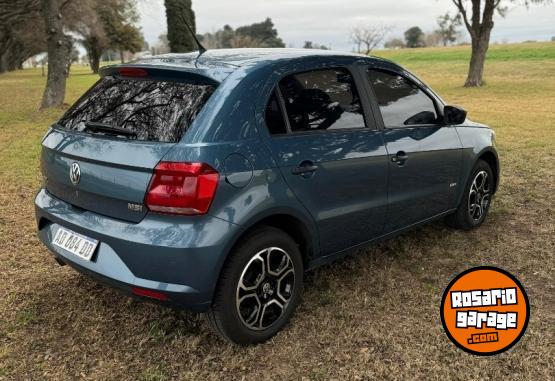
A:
(259, 288)
(476, 201)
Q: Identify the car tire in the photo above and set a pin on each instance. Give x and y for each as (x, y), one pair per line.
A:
(476, 200)
(259, 288)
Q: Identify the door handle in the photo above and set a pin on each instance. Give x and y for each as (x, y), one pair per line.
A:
(305, 168)
(400, 158)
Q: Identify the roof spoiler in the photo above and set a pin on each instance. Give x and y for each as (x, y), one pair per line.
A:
(186, 75)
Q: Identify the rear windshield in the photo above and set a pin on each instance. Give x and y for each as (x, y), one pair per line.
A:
(148, 110)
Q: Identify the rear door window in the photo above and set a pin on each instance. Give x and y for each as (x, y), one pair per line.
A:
(149, 110)
(322, 100)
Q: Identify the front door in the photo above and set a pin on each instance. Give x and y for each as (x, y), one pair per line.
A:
(424, 154)
(333, 160)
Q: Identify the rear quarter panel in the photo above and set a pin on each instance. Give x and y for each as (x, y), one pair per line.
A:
(226, 136)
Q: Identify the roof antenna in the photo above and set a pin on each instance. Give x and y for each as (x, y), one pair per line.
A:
(201, 49)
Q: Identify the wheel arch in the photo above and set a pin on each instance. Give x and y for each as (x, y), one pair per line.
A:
(297, 227)
(490, 157)
(291, 224)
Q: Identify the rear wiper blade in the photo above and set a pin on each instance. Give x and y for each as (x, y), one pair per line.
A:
(108, 129)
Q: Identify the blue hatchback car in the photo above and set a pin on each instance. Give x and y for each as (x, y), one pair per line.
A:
(212, 182)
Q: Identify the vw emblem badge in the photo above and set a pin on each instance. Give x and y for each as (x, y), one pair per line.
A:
(75, 173)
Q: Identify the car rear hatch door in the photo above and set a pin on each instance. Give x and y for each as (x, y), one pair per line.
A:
(101, 154)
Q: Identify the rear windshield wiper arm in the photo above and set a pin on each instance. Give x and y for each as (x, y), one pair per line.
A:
(108, 129)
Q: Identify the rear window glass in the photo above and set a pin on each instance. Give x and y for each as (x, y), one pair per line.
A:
(148, 110)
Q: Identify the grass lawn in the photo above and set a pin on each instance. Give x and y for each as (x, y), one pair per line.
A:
(374, 315)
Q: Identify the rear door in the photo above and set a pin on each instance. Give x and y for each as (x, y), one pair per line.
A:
(101, 154)
(424, 153)
(330, 154)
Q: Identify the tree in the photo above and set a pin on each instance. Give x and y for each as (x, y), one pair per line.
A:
(73, 57)
(448, 27)
(311, 45)
(478, 19)
(433, 39)
(161, 46)
(264, 32)
(244, 41)
(257, 35)
(394, 43)
(20, 22)
(59, 49)
(107, 24)
(179, 12)
(368, 36)
(18, 41)
(118, 19)
(93, 36)
(414, 37)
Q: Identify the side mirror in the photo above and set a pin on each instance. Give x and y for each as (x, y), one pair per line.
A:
(453, 115)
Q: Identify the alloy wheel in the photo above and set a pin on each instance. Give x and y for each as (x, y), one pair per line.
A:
(265, 288)
(479, 196)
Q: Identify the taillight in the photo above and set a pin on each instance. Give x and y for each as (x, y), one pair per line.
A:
(182, 188)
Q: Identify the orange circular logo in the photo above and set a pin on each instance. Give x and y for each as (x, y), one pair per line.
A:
(485, 310)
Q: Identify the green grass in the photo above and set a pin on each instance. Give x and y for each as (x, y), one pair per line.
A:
(535, 51)
(370, 316)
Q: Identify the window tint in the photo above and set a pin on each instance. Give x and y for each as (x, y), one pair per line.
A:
(322, 100)
(274, 117)
(151, 110)
(402, 103)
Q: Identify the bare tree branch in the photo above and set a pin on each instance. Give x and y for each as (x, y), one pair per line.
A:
(370, 36)
(462, 10)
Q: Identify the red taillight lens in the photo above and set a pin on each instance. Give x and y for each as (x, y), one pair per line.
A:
(182, 188)
(132, 72)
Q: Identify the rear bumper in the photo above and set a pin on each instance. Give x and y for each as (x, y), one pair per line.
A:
(178, 256)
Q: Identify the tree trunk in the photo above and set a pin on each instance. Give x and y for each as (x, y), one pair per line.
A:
(94, 60)
(122, 58)
(6, 51)
(480, 33)
(94, 53)
(58, 52)
(3, 62)
(477, 61)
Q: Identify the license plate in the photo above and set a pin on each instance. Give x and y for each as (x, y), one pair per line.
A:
(75, 243)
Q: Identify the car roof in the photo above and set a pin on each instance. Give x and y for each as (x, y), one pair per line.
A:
(240, 57)
(219, 63)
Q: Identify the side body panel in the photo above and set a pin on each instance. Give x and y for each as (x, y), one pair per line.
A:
(228, 138)
(426, 184)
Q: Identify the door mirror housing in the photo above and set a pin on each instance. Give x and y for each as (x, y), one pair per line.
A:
(453, 114)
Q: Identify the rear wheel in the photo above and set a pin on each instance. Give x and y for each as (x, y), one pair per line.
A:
(474, 206)
(259, 288)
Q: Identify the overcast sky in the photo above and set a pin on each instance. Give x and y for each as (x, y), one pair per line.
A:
(328, 22)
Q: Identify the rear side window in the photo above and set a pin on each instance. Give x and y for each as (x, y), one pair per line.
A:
(149, 110)
(274, 117)
(322, 100)
(402, 103)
